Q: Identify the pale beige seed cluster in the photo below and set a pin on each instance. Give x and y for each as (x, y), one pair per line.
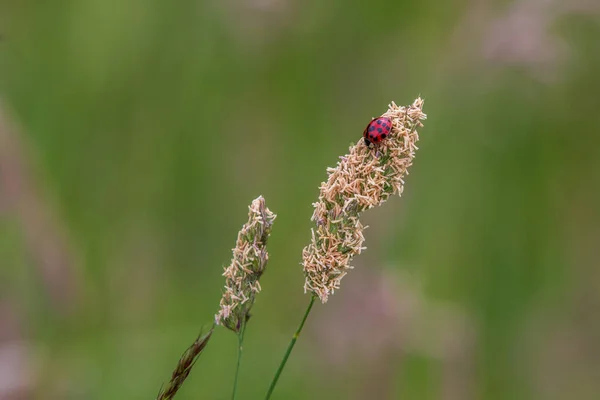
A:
(362, 179)
(247, 265)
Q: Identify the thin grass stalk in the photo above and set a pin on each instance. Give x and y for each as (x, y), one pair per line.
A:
(289, 348)
(239, 359)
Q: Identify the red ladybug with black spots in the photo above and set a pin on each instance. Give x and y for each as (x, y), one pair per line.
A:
(377, 130)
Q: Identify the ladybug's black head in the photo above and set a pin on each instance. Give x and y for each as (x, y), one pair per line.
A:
(367, 143)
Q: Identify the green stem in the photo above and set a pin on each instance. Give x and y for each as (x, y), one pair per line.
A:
(239, 358)
(289, 349)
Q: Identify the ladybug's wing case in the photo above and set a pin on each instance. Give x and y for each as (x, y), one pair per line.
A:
(365, 131)
(365, 134)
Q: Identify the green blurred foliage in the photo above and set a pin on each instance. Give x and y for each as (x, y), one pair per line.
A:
(152, 125)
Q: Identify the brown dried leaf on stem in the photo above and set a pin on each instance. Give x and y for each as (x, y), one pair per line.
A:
(184, 366)
(362, 179)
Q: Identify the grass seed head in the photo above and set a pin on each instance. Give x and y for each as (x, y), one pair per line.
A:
(247, 265)
(364, 178)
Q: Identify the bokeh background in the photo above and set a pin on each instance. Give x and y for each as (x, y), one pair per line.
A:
(134, 134)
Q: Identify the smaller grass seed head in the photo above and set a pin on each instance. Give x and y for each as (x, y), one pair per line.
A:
(247, 265)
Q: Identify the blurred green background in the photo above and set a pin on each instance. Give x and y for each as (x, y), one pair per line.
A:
(136, 133)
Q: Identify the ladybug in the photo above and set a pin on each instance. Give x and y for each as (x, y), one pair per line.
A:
(377, 130)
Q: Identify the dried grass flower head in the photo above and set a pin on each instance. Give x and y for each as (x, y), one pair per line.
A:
(184, 367)
(247, 265)
(362, 179)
